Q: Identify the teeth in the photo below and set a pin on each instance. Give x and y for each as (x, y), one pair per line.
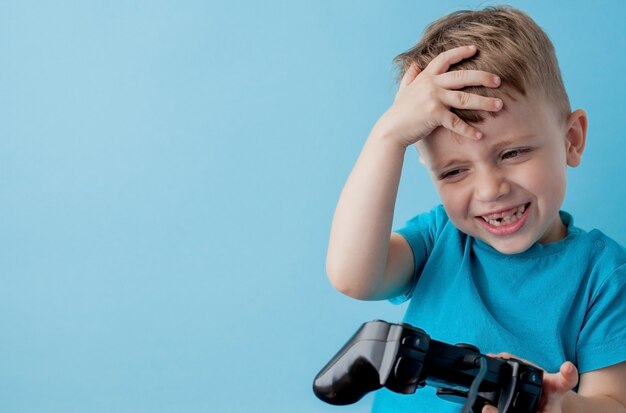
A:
(505, 220)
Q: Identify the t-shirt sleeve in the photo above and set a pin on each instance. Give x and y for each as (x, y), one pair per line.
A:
(602, 340)
(420, 232)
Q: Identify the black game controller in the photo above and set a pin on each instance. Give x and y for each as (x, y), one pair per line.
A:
(402, 358)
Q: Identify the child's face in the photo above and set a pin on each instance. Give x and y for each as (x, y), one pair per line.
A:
(508, 187)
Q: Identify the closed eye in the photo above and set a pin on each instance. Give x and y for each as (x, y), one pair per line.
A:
(451, 174)
(515, 153)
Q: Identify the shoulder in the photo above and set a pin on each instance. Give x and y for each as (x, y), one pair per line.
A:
(601, 254)
(433, 221)
(603, 331)
(428, 229)
(594, 248)
(607, 248)
(432, 235)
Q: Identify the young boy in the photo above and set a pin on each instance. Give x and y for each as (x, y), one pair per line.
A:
(497, 265)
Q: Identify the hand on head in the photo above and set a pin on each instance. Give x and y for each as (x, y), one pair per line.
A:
(425, 97)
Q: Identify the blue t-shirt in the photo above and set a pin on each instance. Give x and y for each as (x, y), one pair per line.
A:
(554, 302)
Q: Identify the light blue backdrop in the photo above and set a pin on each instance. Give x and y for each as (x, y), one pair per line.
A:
(168, 174)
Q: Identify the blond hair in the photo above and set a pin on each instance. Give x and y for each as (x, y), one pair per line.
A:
(510, 44)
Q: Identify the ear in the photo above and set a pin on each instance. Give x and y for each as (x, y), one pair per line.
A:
(576, 137)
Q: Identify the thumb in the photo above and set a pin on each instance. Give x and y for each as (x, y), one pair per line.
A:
(556, 385)
(567, 377)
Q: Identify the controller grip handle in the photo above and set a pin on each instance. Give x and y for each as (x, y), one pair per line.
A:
(361, 366)
(347, 381)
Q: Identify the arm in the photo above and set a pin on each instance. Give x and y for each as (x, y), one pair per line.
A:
(600, 390)
(363, 261)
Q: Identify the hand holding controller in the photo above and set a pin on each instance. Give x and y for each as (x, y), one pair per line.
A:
(402, 358)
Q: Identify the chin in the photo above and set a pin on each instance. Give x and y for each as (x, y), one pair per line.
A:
(508, 245)
(509, 248)
(512, 251)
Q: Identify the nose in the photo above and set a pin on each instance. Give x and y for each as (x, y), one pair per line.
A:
(490, 185)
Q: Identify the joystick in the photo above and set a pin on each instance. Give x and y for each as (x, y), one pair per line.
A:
(404, 358)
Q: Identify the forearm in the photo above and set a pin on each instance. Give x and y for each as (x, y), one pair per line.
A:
(576, 403)
(359, 238)
(360, 262)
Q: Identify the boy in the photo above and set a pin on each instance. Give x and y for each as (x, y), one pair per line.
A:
(498, 265)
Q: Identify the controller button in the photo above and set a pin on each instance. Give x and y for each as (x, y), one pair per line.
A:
(531, 377)
(407, 371)
(416, 342)
(467, 347)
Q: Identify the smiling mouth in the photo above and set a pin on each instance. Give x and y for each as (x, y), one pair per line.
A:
(505, 218)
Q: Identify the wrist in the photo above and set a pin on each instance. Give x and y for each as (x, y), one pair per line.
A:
(571, 402)
(384, 133)
(576, 403)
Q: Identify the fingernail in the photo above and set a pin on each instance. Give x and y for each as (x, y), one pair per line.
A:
(498, 104)
(496, 80)
(478, 135)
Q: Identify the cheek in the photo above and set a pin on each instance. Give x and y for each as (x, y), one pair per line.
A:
(548, 184)
(555, 189)
(456, 202)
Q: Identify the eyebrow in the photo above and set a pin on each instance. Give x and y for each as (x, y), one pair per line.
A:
(453, 161)
(511, 142)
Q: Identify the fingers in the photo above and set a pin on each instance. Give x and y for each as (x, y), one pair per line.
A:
(457, 125)
(448, 84)
(458, 79)
(432, 92)
(443, 61)
(561, 382)
(455, 79)
(512, 356)
(567, 377)
(465, 100)
(410, 75)
(557, 385)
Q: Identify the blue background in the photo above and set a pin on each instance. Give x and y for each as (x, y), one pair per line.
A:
(168, 174)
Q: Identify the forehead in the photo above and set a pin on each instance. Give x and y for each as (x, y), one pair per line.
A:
(521, 118)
